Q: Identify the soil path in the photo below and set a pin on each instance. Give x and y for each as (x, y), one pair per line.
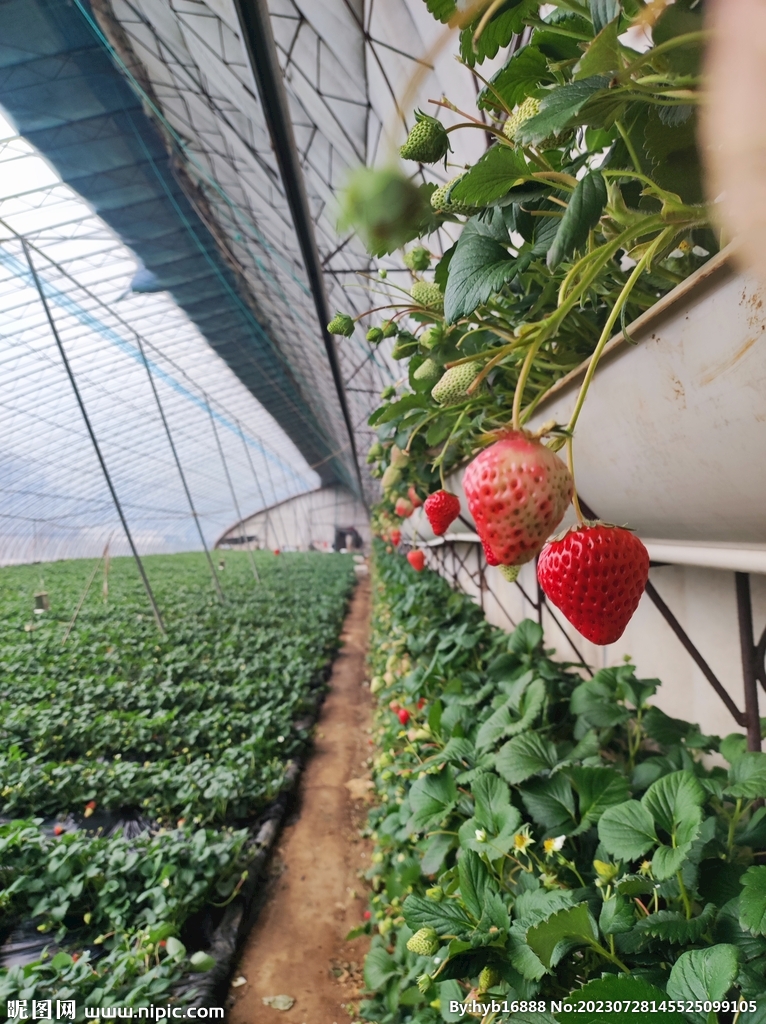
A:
(297, 947)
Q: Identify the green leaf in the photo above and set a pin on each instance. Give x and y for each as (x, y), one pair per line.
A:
(666, 730)
(603, 55)
(379, 966)
(597, 789)
(472, 874)
(667, 860)
(617, 916)
(61, 961)
(436, 850)
(595, 702)
(526, 638)
(490, 178)
(602, 12)
(480, 267)
(494, 727)
(497, 33)
(673, 799)
(525, 756)
(627, 830)
(550, 802)
(619, 988)
(673, 927)
(516, 80)
(492, 800)
(574, 924)
(174, 947)
(705, 974)
(446, 918)
(431, 799)
(752, 902)
(733, 746)
(560, 108)
(201, 962)
(450, 992)
(747, 775)
(582, 213)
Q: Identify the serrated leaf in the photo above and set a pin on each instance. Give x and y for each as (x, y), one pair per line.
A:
(497, 33)
(733, 746)
(673, 927)
(472, 876)
(575, 924)
(379, 966)
(431, 799)
(597, 789)
(525, 756)
(516, 80)
(436, 850)
(479, 268)
(524, 959)
(560, 108)
(583, 211)
(673, 799)
(667, 860)
(705, 974)
(747, 775)
(446, 918)
(494, 727)
(619, 988)
(617, 916)
(491, 799)
(491, 177)
(551, 803)
(627, 830)
(603, 55)
(752, 902)
(602, 12)
(594, 701)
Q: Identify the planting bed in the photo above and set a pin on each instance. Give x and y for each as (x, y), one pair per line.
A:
(132, 764)
(546, 839)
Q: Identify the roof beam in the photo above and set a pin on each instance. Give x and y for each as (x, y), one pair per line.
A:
(255, 23)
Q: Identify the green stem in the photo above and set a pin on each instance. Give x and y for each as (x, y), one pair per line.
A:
(629, 145)
(612, 319)
(733, 823)
(609, 956)
(575, 499)
(684, 896)
(669, 44)
(522, 381)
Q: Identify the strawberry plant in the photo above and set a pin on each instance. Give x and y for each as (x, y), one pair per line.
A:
(546, 838)
(177, 733)
(586, 207)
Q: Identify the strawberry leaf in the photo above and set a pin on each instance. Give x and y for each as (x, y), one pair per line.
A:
(582, 213)
(627, 830)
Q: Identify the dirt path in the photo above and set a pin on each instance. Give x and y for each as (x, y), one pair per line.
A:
(297, 947)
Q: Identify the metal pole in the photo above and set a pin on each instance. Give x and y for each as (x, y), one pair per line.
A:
(99, 456)
(255, 478)
(749, 672)
(181, 473)
(231, 489)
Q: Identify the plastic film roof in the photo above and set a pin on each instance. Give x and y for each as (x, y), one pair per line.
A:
(147, 109)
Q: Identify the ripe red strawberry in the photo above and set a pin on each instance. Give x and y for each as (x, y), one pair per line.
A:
(403, 715)
(595, 574)
(518, 491)
(276, 551)
(417, 559)
(414, 497)
(396, 537)
(58, 830)
(442, 509)
(403, 508)
(421, 703)
(491, 560)
(367, 915)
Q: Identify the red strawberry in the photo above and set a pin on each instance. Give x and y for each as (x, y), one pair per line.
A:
(414, 497)
(403, 715)
(403, 508)
(491, 560)
(595, 574)
(58, 829)
(396, 537)
(421, 703)
(367, 915)
(276, 551)
(416, 559)
(442, 508)
(518, 491)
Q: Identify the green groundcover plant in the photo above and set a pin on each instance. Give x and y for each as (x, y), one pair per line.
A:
(188, 736)
(544, 837)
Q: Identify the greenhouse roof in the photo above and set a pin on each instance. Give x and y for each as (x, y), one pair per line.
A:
(139, 177)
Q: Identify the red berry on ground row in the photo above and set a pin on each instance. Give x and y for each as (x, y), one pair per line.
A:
(595, 575)
(417, 559)
(396, 537)
(518, 491)
(403, 715)
(442, 509)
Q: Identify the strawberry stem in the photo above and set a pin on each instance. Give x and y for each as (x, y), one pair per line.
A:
(521, 383)
(575, 499)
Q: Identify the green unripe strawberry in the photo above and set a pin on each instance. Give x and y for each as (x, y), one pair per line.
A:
(427, 142)
(374, 335)
(432, 337)
(381, 205)
(487, 979)
(427, 294)
(441, 202)
(424, 983)
(375, 452)
(399, 458)
(341, 324)
(404, 346)
(529, 108)
(453, 386)
(418, 258)
(424, 942)
(389, 328)
(435, 894)
(510, 572)
(390, 478)
(428, 372)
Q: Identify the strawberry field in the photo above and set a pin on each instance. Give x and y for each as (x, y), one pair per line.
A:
(547, 837)
(134, 764)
